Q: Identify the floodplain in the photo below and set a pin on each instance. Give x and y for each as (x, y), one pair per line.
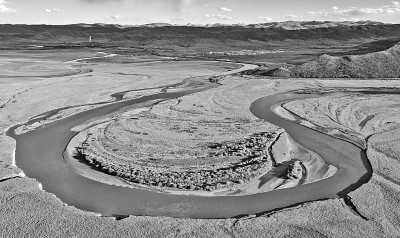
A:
(198, 140)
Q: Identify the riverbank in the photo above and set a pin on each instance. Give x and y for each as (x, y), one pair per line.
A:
(283, 153)
(252, 161)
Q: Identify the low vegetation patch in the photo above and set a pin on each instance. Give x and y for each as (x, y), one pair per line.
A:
(252, 160)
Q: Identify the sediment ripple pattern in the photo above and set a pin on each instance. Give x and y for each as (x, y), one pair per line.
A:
(375, 117)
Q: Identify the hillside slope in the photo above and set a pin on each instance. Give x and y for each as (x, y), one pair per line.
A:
(382, 64)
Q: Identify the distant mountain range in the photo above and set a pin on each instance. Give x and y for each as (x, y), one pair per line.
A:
(363, 49)
(305, 25)
(287, 25)
(161, 33)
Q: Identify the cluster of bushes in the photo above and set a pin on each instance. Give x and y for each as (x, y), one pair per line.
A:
(256, 145)
(255, 162)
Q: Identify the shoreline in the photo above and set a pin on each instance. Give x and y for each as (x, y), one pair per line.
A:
(286, 114)
(86, 172)
(354, 138)
(259, 184)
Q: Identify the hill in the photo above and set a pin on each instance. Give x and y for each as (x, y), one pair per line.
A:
(382, 64)
(264, 71)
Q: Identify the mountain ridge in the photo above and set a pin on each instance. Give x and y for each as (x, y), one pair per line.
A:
(299, 25)
(116, 33)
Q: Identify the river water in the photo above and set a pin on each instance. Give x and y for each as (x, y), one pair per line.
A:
(39, 155)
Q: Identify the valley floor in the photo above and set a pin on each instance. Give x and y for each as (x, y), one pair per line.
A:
(26, 210)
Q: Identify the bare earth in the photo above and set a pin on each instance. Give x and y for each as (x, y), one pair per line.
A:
(26, 210)
(376, 119)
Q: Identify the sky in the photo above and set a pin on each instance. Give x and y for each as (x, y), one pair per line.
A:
(135, 12)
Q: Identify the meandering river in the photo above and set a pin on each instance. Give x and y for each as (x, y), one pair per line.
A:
(39, 155)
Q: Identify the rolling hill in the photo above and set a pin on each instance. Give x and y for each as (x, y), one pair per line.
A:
(382, 64)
